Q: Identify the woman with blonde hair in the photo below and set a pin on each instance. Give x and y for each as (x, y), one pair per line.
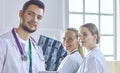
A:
(72, 61)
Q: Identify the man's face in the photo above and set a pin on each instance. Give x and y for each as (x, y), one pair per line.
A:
(31, 18)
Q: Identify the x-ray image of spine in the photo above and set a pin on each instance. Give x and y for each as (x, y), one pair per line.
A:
(53, 52)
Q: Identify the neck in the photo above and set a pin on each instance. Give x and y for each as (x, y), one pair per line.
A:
(23, 34)
(91, 47)
(72, 51)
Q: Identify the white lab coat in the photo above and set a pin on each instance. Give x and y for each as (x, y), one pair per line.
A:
(70, 63)
(10, 57)
(94, 62)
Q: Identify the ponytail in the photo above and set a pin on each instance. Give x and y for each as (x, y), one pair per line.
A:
(80, 50)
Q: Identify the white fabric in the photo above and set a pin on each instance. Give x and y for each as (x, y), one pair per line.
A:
(94, 62)
(24, 44)
(10, 57)
(48, 72)
(70, 63)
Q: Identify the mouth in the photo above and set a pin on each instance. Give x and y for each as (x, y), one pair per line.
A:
(68, 46)
(32, 24)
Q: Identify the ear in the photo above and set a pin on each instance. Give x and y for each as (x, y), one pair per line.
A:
(20, 13)
(95, 36)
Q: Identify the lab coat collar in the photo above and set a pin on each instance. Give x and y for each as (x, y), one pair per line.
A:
(74, 51)
(96, 48)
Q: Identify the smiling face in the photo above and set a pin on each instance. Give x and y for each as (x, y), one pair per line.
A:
(87, 39)
(70, 40)
(30, 18)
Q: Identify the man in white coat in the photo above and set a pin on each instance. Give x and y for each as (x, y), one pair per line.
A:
(18, 51)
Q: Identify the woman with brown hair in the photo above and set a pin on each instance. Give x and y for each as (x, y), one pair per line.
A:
(94, 62)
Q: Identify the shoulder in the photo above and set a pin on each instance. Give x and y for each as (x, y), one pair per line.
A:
(96, 56)
(5, 40)
(76, 54)
(75, 58)
(6, 35)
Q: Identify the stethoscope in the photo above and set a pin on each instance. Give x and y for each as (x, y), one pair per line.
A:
(23, 56)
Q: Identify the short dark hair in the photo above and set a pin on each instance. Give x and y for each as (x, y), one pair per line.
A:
(38, 3)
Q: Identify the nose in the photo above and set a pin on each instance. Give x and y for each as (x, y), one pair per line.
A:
(35, 18)
(81, 37)
(65, 41)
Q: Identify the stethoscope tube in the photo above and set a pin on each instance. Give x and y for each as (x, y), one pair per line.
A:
(23, 57)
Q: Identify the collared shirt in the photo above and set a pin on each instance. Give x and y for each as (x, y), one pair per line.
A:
(10, 57)
(70, 63)
(94, 62)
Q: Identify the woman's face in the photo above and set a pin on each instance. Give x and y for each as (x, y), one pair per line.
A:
(86, 38)
(70, 41)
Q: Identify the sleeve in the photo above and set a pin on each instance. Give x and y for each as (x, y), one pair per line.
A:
(2, 54)
(1, 60)
(91, 65)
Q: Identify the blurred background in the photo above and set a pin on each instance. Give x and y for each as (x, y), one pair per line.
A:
(61, 14)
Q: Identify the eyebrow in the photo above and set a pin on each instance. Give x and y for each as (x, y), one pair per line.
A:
(32, 12)
(35, 13)
(83, 33)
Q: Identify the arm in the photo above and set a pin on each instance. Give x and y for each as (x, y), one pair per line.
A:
(67, 65)
(2, 55)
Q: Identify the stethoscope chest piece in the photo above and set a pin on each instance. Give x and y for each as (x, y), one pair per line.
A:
(24, 58)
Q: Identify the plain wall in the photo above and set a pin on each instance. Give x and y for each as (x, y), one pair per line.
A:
(52, 24)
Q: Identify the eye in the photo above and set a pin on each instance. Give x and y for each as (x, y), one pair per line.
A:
(70, 39)
(30, 13)
(39, 17)
(85, 34)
